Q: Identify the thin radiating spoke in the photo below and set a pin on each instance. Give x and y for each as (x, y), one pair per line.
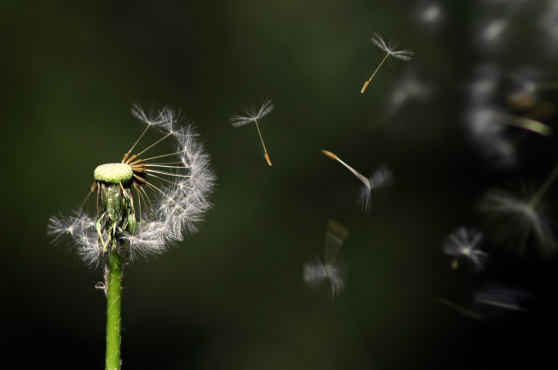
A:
(157, 142)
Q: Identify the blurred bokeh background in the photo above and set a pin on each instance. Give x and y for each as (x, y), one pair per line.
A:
(232, 296)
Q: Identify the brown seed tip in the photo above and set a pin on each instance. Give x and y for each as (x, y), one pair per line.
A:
(267, 158)
(365, 86)
(454, 265)
(330, 154)
(132, 158)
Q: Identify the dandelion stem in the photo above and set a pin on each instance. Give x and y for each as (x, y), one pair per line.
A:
(543, 189)
(114, 303)
(367, 82)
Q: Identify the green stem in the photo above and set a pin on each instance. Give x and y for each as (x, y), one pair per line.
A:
(114, 303)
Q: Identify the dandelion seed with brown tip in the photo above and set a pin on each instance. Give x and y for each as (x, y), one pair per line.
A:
(380, 178)
(464, 243)
(389, 48)
(251, 116)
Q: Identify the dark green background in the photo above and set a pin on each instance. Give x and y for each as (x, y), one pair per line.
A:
(232, 295)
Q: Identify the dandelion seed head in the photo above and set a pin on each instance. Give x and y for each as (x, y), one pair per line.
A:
(171, 197)
(465, 243)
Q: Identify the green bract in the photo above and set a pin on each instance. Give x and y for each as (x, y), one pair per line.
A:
(113, 173)
(117, 216)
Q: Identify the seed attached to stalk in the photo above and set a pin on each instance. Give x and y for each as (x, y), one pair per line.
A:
(389, 48)
(252, 116)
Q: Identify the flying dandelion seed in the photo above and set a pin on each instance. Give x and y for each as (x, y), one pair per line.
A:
(380, 178)
(251, 116)
(408, 90)
(461, 309)
(156, 218)
(464, 243)
(332, 273)
(431, 13)
(516, 220)
(502, 296)
(494, 301)
(493, 30)
(486, 121)
(364, 180)
(389, 48)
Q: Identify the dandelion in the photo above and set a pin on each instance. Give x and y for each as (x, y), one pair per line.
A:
(380, 178)
(464, 243)
(517, 219)
(251, 116)
(389, 48)
(332, 271)
(127, 226)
